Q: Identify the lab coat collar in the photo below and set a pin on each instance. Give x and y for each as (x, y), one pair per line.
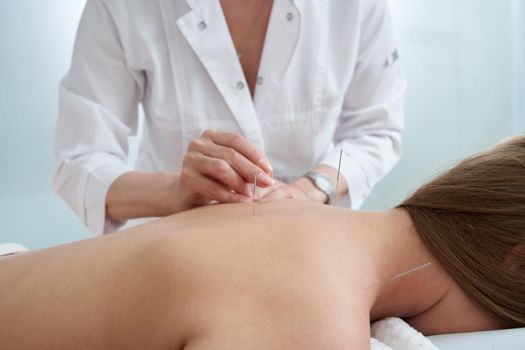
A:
(206, 31)
(279, 46)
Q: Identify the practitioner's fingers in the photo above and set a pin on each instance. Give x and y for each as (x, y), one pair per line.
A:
(225, 162)
(240, 145)
(264, 191)
(216, 169)
(238, 162)
(198, 184)
(219, 193)
(285, 191)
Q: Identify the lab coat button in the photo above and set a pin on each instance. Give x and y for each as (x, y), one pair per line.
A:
(240, 85)
(289, 16)
(260, 80)
(203, 25)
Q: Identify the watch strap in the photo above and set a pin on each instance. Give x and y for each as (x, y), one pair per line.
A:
(323, 183)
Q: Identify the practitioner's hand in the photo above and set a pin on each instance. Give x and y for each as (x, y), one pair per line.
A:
(301, 188)
(281, 190)
(220, 166)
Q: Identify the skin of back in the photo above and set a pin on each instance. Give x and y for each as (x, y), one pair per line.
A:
(227, 279)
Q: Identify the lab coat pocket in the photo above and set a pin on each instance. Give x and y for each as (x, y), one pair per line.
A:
(299, 140)
(174, 135)
(192, 127)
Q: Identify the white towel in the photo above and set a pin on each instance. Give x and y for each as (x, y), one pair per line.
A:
(10, 248)
(395, 334)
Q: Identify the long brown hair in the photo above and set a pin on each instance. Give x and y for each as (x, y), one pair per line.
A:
(472, 218)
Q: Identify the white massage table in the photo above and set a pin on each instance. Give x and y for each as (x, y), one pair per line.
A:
(508, 339)
(395, 334)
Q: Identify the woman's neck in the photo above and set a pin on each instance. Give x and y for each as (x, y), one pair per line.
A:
(428, 298)
(396, 248)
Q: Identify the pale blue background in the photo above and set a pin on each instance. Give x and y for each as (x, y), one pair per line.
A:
(464, 60)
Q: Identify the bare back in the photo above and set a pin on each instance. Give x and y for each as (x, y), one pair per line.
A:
(211, 278)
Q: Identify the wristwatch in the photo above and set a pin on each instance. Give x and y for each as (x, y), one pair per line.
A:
(324, 184)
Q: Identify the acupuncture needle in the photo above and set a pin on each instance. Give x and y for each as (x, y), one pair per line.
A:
(415, 269)
(255, 190)
(337, 180)
(404, 274)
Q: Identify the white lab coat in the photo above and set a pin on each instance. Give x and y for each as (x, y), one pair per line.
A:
(327, 81)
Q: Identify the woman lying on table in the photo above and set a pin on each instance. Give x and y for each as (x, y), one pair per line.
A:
(294, 276)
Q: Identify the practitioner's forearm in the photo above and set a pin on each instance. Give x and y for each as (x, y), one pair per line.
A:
(139, 194)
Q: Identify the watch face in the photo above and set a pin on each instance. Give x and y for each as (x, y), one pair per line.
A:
(323, 183)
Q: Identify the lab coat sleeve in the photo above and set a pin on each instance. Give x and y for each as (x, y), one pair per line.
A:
(98, 111)
(371, 121)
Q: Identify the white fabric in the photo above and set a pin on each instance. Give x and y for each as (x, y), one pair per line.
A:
(11, 248)
(505, 339)
(377, 345)
(329, 82)
(395, 334)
